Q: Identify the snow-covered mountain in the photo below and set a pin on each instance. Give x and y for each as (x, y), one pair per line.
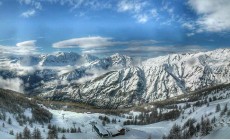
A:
(156, 78)
(56, 59)
(116, 81)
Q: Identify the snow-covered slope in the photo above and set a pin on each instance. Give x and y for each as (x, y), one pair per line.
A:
(67, 120)
(180, 73)
(27, 112)
(156, 79)
(42, 70)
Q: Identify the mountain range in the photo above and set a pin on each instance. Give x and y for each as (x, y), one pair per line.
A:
(117, 80)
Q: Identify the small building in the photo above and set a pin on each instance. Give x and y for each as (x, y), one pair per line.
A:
(116, 130)
(120, 129)
(113, 132)
(101, 131)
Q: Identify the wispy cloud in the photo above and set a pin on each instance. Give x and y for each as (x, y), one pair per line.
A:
(36, 4)
(21, 48)
(141, 10)
(85, 42)
(188, 25)
(213, 14)
(138, 9)
(169, 48)
(134, 5)
(30, 43)
(107, 46)
(148, 51)
(28, 13)
(98, 42)
(142, 18)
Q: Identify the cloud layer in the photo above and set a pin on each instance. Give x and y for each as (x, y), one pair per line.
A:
(28, 13)
(98, 42)
(213, 14)
(15, 84)
(21, 48)
(85, 42)
(138, 9)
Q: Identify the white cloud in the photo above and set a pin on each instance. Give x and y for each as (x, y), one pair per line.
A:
(188, 25)
(154, 12)
(28, 13)
(34, 3)
(142, 11)
(142, 18)
(213, 14)
(170, 48)
(85, 42)
(27, 47)
(134, 5)
(35, 6)
(29, 43)
(148, 51)
(0, 3)
(21, 48)
(15, 84)
(138, 9)
(98, 42)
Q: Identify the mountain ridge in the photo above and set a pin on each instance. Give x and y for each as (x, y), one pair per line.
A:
(117, 81)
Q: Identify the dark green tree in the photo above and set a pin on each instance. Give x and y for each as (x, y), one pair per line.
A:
(26, 133)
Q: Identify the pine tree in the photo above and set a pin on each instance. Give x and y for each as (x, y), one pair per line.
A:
(185, 134)
(26, 133)
(175, 132)
(79, 130)
(197, 127)
(202, 130)
(36, 134)
(191, 130)
(4, 116)
(209, 126)
(19, 136)
(11, 132)
(205, 127)
(213, 120)
(9, 121)
(218, 108)
(49, 126)
(52, 133)
(225, 108)
(63, 136)
(63, 130)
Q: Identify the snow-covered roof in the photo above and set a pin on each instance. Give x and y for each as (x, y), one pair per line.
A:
(101, 129)
(118, 127)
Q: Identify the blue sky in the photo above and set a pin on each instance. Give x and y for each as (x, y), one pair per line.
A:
(102, 27)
